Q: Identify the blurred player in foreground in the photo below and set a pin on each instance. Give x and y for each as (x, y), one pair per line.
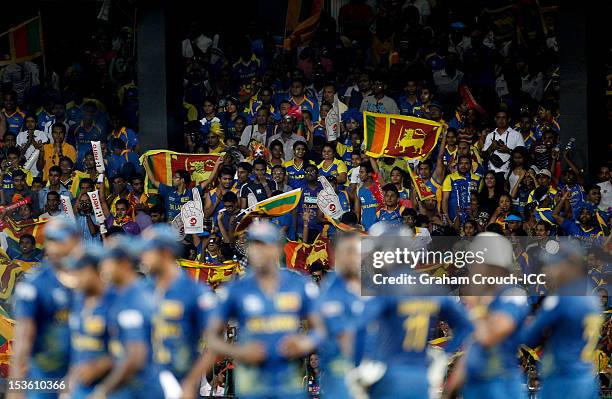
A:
(183, 305)
(569, 322)
(90, 358)
(269, 306)
(339, 305)
(134, 373)
(490, 367)
(395, 362)
(43, 349)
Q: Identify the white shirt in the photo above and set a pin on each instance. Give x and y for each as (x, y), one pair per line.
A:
(606, 195)
(252, 132)
(511, 138)
(22, 138)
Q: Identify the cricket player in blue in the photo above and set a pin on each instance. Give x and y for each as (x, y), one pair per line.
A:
(134, 372)
(400, 342)
(183, 305)
(269, 305)
(90, 359)
(43, 305)
(339, 305)
(490, 367)
(569, 323)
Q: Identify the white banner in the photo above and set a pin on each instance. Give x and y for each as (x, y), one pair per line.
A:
(94, 196)
(97, 153)
(333, 119)
(192, 214)
(328, 201)
(67, 207)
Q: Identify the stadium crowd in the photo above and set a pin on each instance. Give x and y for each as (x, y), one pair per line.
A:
(487, 74)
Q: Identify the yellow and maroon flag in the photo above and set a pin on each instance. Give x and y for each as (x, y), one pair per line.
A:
(399, 136)
(300, 256)
(422, 190)
(210, 274)
(164, 163)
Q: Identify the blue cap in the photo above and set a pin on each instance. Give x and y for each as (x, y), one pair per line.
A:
(559, 251)
(92, 254)
(159, 236)
(264, 231)
(513, 218)
(122, 247)
(59, 229)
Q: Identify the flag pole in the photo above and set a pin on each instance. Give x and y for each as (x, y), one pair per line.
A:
(42, 46)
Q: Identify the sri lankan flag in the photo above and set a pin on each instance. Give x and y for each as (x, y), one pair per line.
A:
(212, 275)
(164, 163)
(302, 20)
(21, 43)
(9, 273)
(300, 256)
(270, 208)
(422, 190)
(399, 136)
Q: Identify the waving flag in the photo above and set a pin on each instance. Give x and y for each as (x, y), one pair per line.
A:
(164, 163)
(210, 274)
(399, 136)
(422, 190)
(300, 256)
(270, 208)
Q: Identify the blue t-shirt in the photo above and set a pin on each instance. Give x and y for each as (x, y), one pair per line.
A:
(393, 217)
(499, 361)
(89, 329)
(173, 199)
(369, 206)
(83, 138)
(43, 299)
(130, 321)
(339, 309)
(571, 324)
(179, 321)
(405, 326)
(268, 319)
(308, 200)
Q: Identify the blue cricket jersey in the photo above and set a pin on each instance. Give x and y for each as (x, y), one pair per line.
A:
(43, 299)
(268, 319)
(179, 321)
(89, 334)
(497, 362)
(368, 207)
(130, 321)
(339, 309)
(571, 324)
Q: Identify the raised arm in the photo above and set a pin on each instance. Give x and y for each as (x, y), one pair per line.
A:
(438, 173)
(150, 174)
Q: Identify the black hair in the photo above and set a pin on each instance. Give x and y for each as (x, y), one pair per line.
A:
(349, 218)
(118, 143)
(53, 193)
(19, 173)
(297, 143)
(495, 228)
(86, 180)
(184, 175)
(13, 151)
(157, 209)
(409, 212)
(278, 143)
(123, 201)
(246, 166)
(28, 237)
(226, 170)
(367, 166)
(390, 187)
(60, 126)
(229, 196)
(136, 176)
(55, 168)
(260, 161)
(281, 167)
